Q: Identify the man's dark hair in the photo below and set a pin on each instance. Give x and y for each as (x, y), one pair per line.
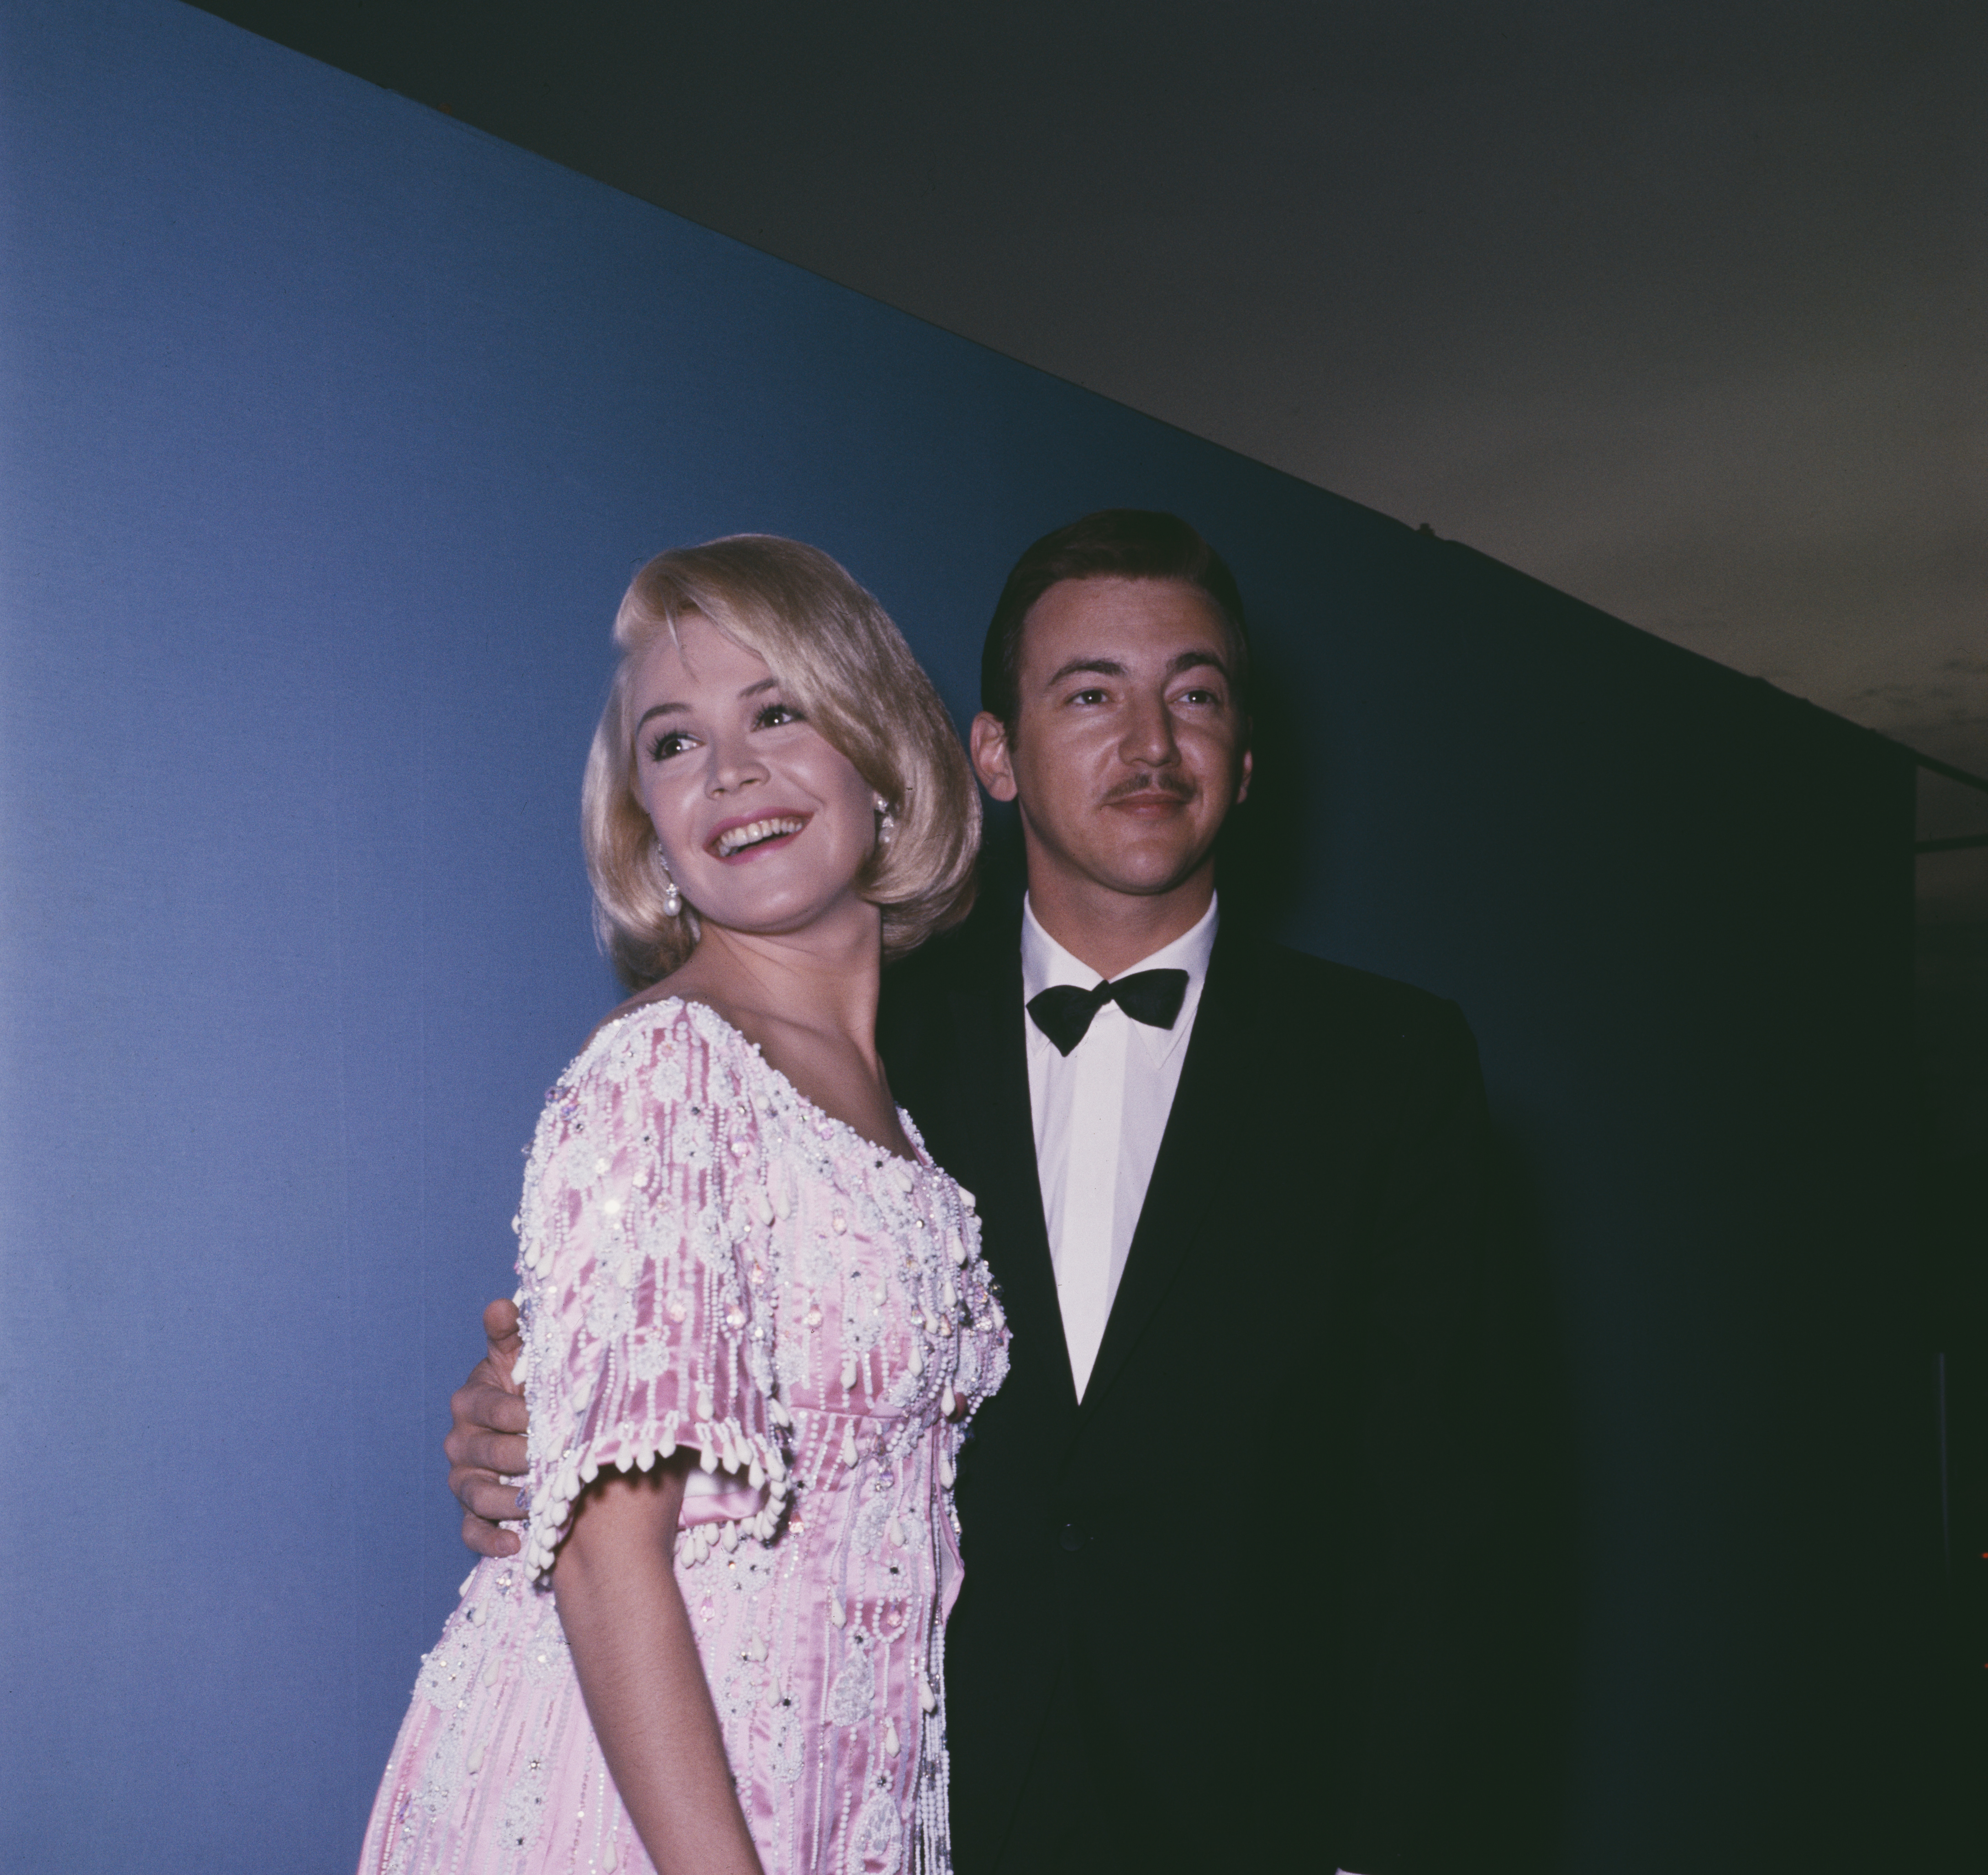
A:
(1126, 544)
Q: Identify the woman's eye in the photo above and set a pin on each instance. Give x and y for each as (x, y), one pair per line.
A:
(671, 742)
(773, 715)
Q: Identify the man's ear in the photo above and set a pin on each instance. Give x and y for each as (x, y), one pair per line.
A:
(1248, 765)
(987, 741)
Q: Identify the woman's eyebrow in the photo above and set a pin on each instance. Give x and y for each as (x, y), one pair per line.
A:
(678, 709)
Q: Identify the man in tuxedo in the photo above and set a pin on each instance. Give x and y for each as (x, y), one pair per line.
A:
(1215, 1522)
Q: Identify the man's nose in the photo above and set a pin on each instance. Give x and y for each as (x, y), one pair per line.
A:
(1149, 735)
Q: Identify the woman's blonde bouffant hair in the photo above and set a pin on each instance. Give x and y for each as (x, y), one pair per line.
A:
(848, 668)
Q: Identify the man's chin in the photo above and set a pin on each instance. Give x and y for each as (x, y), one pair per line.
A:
(1166, 873)
(1146, 863)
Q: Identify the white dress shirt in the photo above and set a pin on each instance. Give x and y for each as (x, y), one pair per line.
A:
(1099, 1113)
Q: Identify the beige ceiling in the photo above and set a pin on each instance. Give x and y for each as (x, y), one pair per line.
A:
(1680, 310)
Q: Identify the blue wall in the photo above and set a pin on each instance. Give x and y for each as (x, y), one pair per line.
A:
(331, 432)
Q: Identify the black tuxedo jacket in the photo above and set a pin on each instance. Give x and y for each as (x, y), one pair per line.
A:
(1245, 1546)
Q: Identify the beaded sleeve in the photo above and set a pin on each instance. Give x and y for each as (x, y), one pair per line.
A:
(645, 1174)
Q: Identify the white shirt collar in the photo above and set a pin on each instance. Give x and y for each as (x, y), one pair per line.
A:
(1045, 963)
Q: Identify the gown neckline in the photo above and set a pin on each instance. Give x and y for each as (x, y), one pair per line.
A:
(922, 1161)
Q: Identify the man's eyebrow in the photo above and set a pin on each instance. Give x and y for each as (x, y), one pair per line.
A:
(1102, 667)
(1111, 667)
(1193, 660)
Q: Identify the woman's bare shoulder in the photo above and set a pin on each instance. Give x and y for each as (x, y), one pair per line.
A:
(693, 987)
(659, 992)
(667, 1012)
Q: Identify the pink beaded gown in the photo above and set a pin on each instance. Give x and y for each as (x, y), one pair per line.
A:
(706, 1260)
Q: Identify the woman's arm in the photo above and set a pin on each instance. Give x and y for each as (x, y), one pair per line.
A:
(615, 1585)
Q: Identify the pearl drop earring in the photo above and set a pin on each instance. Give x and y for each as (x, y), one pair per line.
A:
(672, 898)
(886, 822)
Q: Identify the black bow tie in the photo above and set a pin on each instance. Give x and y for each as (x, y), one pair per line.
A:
(1063, 1013)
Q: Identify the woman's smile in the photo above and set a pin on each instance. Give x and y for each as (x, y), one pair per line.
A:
(736, 838)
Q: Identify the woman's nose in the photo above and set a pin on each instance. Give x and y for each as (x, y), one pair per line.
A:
(733, 766)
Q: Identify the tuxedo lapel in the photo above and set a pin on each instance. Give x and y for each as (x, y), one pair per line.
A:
(1198, 1158)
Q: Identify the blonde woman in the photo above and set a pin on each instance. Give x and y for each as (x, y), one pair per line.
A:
(756, 1317)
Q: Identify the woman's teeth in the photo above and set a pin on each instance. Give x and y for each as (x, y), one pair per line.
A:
(735, 839)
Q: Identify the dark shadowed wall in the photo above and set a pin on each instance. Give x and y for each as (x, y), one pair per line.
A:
(330, 432)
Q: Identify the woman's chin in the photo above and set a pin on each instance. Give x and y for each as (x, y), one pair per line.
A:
(799, 917)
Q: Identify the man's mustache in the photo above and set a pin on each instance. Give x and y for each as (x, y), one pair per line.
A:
(1176, 786)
